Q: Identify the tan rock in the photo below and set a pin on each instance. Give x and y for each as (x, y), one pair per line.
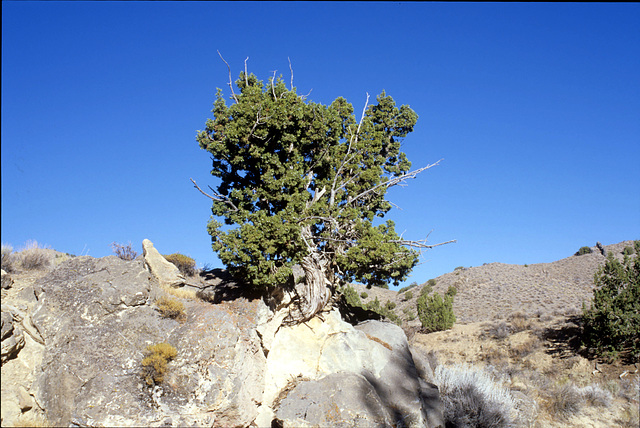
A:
(167, 274)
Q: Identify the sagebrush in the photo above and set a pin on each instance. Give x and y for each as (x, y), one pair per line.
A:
(124, 252)
(154, 365)
(185, 264)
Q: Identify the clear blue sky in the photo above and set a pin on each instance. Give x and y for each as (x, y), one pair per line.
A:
(535, 109)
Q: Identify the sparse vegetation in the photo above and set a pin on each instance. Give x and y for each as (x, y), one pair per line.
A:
(154, 365)
(628, 251)
(408, 287)
(170, 308)
(584, 250)
(185, 264)
(34, 256)
(124, 252)
(436, 313)
(472, 398)
(364, 295)
(612, 323)
(408, 295)
(8, 258)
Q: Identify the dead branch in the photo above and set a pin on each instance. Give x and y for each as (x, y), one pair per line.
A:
(233, 94)
(246, 76)
(422, 243)
(394, 181)
(291, 69)
(217, 198)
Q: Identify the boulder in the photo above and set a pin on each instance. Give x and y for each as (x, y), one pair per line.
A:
(7, 281)
(12, 337)
(167, 274)
(375, 352)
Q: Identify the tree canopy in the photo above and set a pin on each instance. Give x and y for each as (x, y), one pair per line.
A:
(302, 183)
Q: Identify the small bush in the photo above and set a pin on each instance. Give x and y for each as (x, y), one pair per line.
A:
(472, 398)
(124, 252)
(363, 295)
(409, 287)
(595, 396)
(425, 290)
(612, 323)
(565, 400)
(185, 264)
(499, 331)
(154, 365)
(351, 296)
(390, 305)
(409, 314)
(170, 308)
(8, 258)
(33, 256)
(408, 295)
(584, 250)
(436, 313)
(628, 251)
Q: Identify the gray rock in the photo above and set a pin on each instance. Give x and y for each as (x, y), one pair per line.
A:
(12, 337)
(7, 281)
(167, 274)
(336, 400)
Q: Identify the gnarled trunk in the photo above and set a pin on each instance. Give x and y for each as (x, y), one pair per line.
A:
(312, 294)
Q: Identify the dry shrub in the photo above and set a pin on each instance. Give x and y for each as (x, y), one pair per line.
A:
(185, 264)
(472, 398)
(181, 293)
(525, 348)
(499, 331)
(170, 308)
(519, 322)
(595, 396)
(564, 400)
(154, 365)
(8, 258)
(34, 256)
(124, 252)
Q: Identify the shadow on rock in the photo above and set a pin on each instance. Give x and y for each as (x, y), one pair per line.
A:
(220, 286)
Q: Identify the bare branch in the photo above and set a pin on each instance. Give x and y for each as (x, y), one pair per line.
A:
(217, 198)
(394, 181)
(246, 75)
(273, 88)
(290, 68)
(422, 243)
(230, 81)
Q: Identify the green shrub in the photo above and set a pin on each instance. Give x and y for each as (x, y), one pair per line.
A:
(185, 264)
(612, 323)
(154, 365)
(408, 295)
(170, 308)
(409, 314)
(408, 287)
(124, 252)
(390, 305)
(351, 296)
(427, 289)
(628, 251)
(584, 250)
(364, 295)
(436, 313)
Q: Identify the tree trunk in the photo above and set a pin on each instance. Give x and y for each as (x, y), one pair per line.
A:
(313, 294)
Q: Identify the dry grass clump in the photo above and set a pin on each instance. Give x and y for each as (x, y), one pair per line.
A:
(181, 293)
(519, 322)
(170, 308)
(185, 264)
(154, 365)
(34, 257)
(472, 398)
(564, 401)
(8, 258)
(124, 252)
(500, 330)
(525, 348)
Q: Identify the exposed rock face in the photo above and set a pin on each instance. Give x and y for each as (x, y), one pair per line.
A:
(85, 327)
(166, 273)
(375, 356)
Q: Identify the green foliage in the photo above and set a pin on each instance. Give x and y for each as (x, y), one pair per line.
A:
(628, 251)
(351, 296)
(426, 289)
(185, 264)
(408, 287)
(584, 250)
(408, 295)
(436, 313)
(390, 305)
(364, 295)
(124, 252)
(409, 314)
(300, 178)
(385, 311)
(170, 308)
(154, 365)
(612, 323)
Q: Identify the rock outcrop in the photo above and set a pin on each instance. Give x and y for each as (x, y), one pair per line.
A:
(85, 327)
(167, 274)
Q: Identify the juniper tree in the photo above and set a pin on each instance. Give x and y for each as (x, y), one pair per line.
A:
(302, 183)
